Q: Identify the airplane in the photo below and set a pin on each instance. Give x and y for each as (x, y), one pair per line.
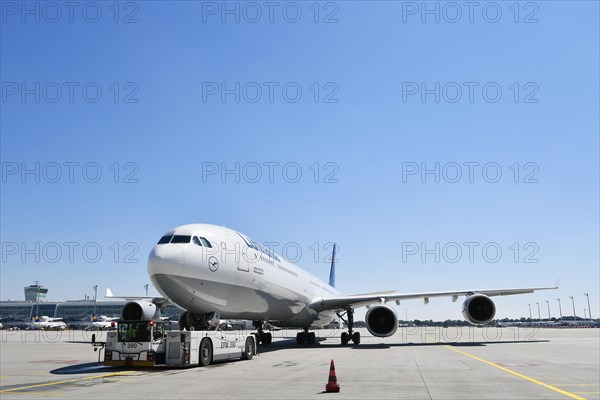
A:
(102, 323)
(46, 323)
(210, 270)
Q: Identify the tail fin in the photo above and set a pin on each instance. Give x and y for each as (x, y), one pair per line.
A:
(332, 270)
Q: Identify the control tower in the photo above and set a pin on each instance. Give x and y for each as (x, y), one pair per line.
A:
(35, 292)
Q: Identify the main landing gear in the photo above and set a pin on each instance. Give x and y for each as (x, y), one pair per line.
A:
(262, 337)
(350, 335)
(305, 337)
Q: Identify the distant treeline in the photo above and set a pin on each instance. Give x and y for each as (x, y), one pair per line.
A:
(461, 322)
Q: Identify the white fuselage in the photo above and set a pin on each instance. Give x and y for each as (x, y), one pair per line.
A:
(236, 277)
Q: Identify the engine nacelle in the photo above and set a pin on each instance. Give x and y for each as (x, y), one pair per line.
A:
(140, 310)
(479, 309)
(381, 321)
(189, 320)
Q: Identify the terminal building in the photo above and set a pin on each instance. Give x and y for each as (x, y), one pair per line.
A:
(77, 314)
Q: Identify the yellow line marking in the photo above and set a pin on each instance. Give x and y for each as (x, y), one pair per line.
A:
(510, 371)
(527, 378)
(576, 384)
(67, 381)
(41, 393)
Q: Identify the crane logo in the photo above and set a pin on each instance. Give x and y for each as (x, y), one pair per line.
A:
(213, 263)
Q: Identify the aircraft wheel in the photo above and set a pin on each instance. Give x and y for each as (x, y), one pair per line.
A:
(257, 337)
(345, 338)
(356, 338)
(300, 338)
(249, 349)
(311, 338)
(206, 352)
(267, 338)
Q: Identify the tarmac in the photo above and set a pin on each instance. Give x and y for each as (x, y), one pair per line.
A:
(415, 363)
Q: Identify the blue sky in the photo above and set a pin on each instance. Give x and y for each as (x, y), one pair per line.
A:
(178, 95)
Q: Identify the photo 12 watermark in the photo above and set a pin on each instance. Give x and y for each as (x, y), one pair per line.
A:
(69, 172)
(470, 12)
(269, 92)
(470, 172)
(270, 172)
(471, 252)
(69, 92)
(69, 12)
(470, 92)
(69, 252)
(270, 12)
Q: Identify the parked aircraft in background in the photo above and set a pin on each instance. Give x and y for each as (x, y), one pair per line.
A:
(47, 323)
(102, 323)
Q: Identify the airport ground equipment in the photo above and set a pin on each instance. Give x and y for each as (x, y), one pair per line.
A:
(152, 344)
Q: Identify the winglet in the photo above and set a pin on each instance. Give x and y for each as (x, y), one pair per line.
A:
(557, 283)
(332, 270)
(109, 293)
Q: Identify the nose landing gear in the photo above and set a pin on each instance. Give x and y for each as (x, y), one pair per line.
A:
(262, 337)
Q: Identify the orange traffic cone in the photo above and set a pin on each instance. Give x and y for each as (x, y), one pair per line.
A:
(332, 385)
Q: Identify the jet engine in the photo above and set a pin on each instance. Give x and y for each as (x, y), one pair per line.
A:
(189, 320)
(140, 310)
(478, 309)
(381, 321)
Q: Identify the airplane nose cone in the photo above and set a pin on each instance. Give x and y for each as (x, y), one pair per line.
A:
(165, 259)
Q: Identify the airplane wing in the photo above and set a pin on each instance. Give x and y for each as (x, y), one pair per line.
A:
(159, 301)
(353, 301)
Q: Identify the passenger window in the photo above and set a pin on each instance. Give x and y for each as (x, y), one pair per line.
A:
(206, 242)
(197, 241)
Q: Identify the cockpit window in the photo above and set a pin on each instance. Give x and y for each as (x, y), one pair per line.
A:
(181, 239)
(165, 239)
(202, 242)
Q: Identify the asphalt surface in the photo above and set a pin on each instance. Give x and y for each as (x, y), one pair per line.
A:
(425, 363)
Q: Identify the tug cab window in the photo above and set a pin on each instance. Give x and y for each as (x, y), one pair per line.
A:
(134, 331)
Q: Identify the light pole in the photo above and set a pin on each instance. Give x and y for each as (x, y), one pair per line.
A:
(574, 314)
(95, 287)
(37, 298)
(588, 299)
(539, 316)
(529, 305)
(559, 308)
(146, 287)
(548, 304)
